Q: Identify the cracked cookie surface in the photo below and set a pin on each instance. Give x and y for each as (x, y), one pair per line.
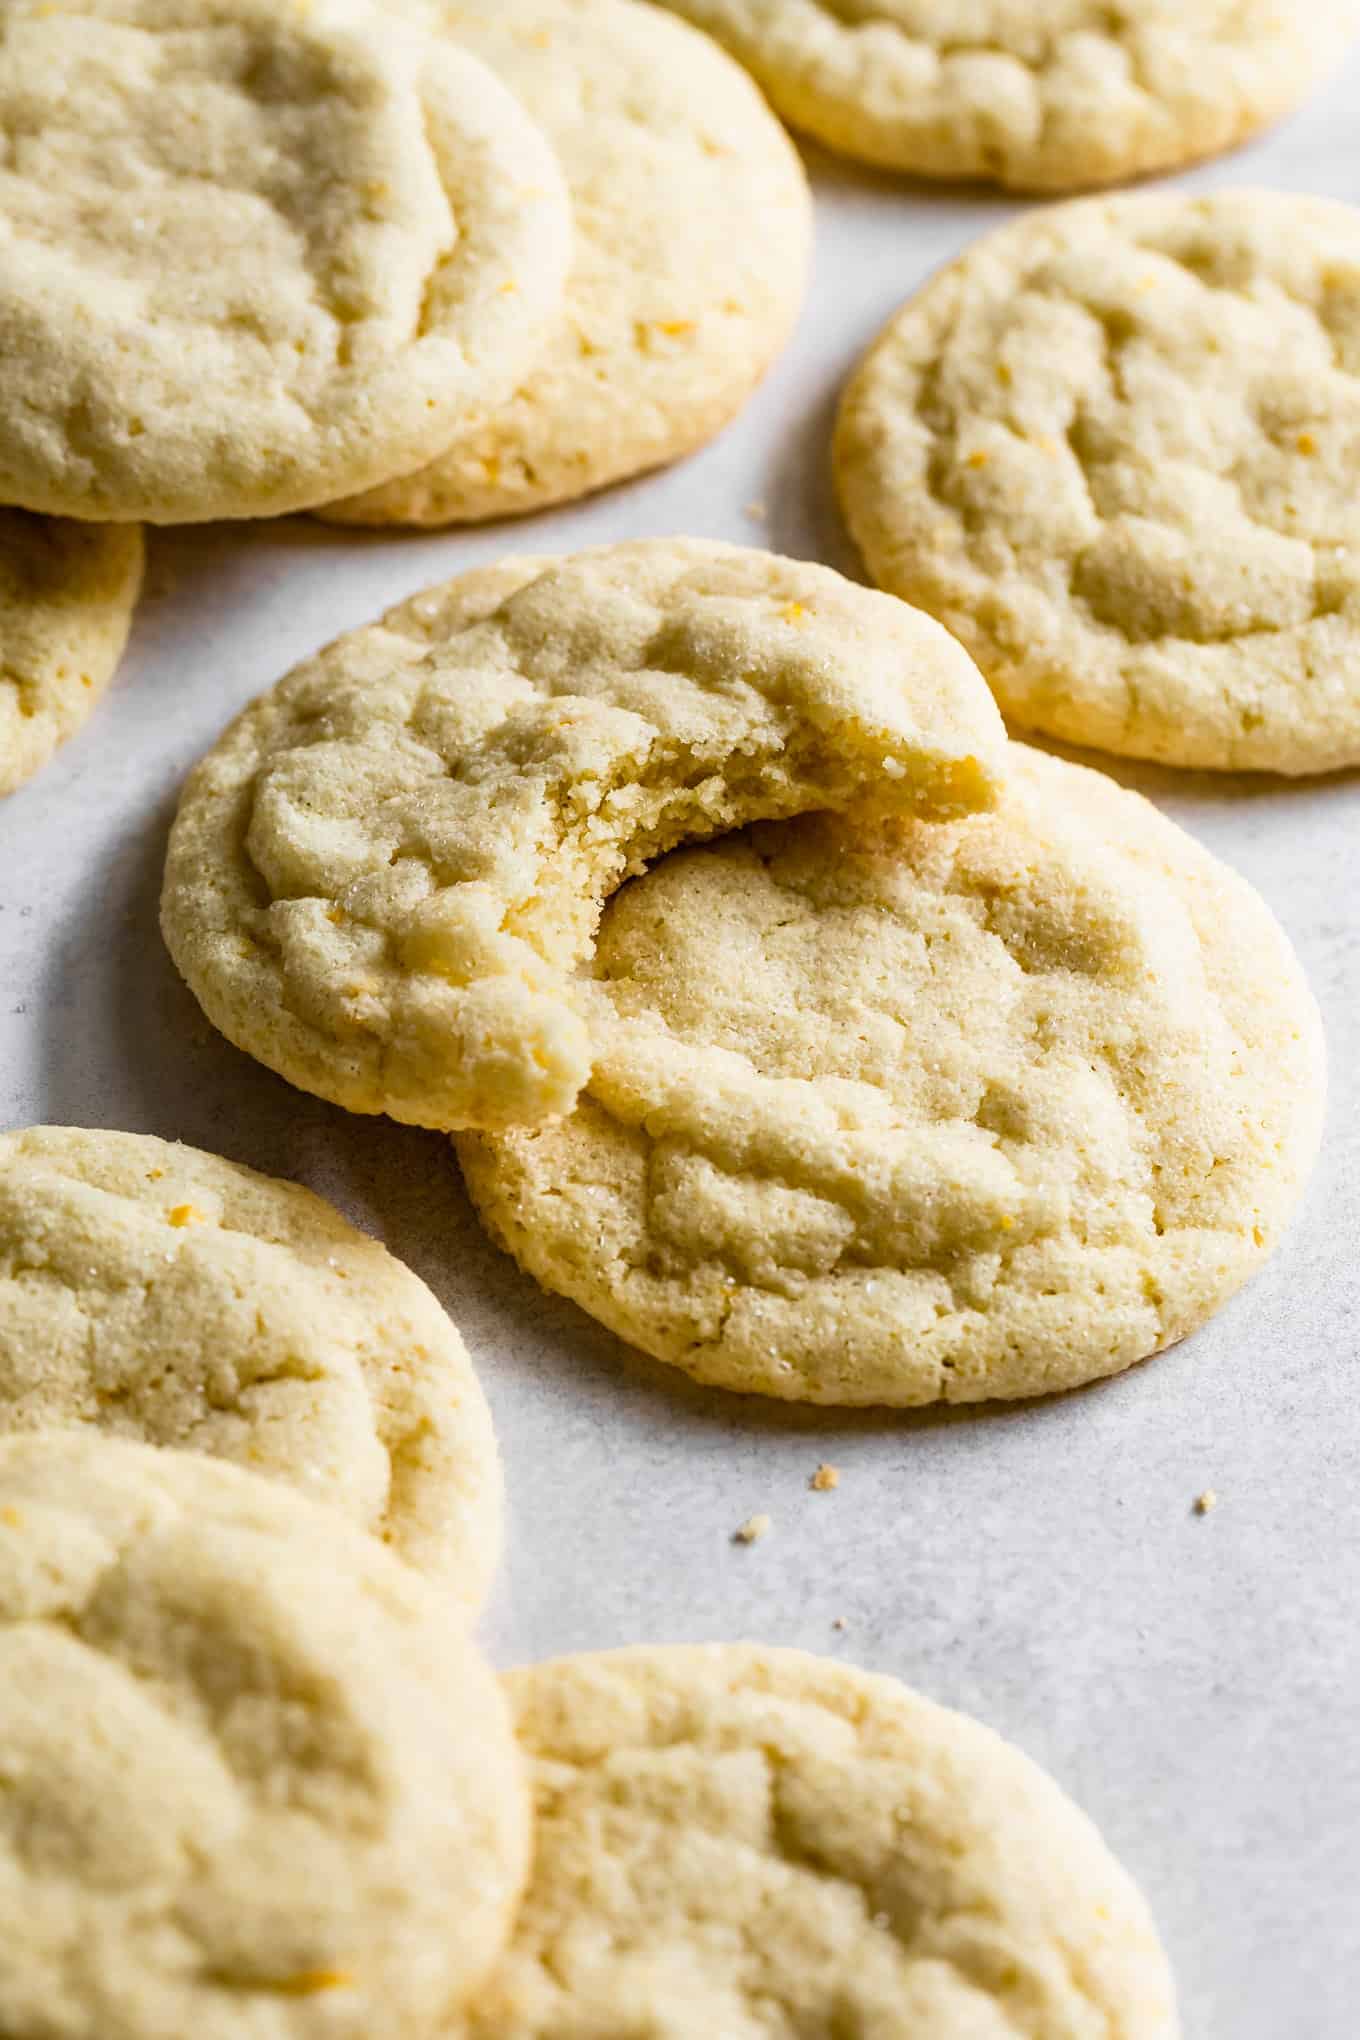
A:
(1041, 97)
(692, 231)
(382, 879)
(255, 1784)
(937, 1112)
(1113, 448)
(67, 595)
(258, 253)
(164, 1295)
(773, 1846)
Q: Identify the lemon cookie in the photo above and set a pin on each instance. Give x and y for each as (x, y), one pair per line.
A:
(1114, 449)
(67, 593)
(769, 1846)
(164, 1295)
(1041, 95)
(693, 225)
(940, 1112)
(258, 253)
(382, 878)
(254, 1782)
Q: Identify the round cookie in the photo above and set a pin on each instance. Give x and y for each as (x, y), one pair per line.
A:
(693, 224)
(258, 253)
(254, 1782)
(941, 1112)
(1039, 95)
(770, 1846)
(166, 1296)
(382, 879)
(67, 593)
(1113, 448)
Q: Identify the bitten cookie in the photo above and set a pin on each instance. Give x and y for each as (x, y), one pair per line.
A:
(693, 225)
(163, 1295)
(1114, 448)
(940, 1112)
(67, 593)
(381, 880)
(258, 253)
(764, 1845)
(254, 1781)
(1041, 95)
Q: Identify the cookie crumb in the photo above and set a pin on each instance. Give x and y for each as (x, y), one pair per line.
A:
(839, 1622)
(1206, 1502)
(756, 512)
(825, 1478)
(752, 1530)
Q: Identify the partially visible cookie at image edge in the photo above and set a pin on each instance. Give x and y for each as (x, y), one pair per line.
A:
(255, 1781)
(1038, 95)
(1113, 448)
(745, 1841)
(67, 595)
(692, 236)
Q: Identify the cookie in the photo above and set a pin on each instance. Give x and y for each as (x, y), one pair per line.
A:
(1114, 449)
(770, 1846)
(254, 1781)
(692, 239)
(1040, 95)
(67, 593)
(381, 880)
(163, 1295)
(693, 229)
(937, 1112)
(258, 253)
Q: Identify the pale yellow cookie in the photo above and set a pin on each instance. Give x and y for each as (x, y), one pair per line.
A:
(257, 253)
(1041, 95)
(737, 1843)
(67, 593)
(1115, 448)
(254, 1782)
(381, 880)
(936, 1112)
(167, 1296)
(693, 225)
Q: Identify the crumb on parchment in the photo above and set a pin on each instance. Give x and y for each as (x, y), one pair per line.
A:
(825, 1478)
(752, 1530)
(1206, 1502)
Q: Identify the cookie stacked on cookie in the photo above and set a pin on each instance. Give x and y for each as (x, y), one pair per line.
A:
(422, 264)
(973, 1077)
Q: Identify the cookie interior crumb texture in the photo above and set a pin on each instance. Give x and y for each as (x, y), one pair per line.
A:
(254, 1781)
(974, 1109)
(258, 253)
(381, 880)
(1040, 95)
(1113, 448)
(163, 1295)
(764, 1845)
